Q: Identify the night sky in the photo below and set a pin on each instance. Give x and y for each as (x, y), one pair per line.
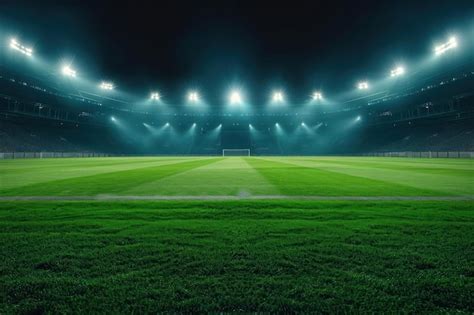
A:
(175, 45)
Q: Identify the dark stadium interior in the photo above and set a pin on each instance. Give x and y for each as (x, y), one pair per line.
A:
(429, 108)
(437, 115)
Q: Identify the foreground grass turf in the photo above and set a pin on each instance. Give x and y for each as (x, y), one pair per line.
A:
(286, 256)
(309, 176)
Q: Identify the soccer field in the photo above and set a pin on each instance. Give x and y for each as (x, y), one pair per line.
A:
(244, 177)
(394, 235)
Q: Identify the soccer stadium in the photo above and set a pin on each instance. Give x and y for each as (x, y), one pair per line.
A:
(236, 157)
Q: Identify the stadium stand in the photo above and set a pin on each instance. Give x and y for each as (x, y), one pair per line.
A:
(431, 115)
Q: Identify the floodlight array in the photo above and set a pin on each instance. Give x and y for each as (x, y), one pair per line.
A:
(398, 71)
(14, 44)
(278, 97)
(317, 96)
(193, 97)
(68, 71)
(106, 86)
(450, 44)
(364, 85)
(235, 96)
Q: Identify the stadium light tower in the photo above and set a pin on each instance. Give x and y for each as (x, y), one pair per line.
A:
(235, 97)
(113, 118)
(193, 97)
(317, 96)
(106, 85)
(278, 97)
(155, 96)
(14, 44)
(364, 85)
(68, 71)
(450, 44)
(398, 71)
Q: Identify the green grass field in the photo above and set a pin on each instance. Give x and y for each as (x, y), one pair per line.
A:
(238, 176)
(291, 255)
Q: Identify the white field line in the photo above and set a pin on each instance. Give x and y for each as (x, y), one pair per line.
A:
(251, 197)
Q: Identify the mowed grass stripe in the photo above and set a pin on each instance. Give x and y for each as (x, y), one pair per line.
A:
(227, 177)
(429, 167)
(442, 179)
(108, 183)
(20, 167)
(451, 163)
(299, 180)
(29, 164)
(56, 170)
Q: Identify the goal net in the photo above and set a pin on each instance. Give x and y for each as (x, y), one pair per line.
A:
(236, 152)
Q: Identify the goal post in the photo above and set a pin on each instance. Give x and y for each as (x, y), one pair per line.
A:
(235, 152)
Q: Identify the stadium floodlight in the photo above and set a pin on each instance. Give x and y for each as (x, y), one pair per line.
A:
(106, 85)
(155, 96)
(193, 97)
(450, 44)
(167, 124)
(14, 44)
(358, 118)
(235, 97)
(278, 97)
(317, 96)
(398, 71)
(303, 124)
(113, 118)
(68, 71)
(364, 85)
